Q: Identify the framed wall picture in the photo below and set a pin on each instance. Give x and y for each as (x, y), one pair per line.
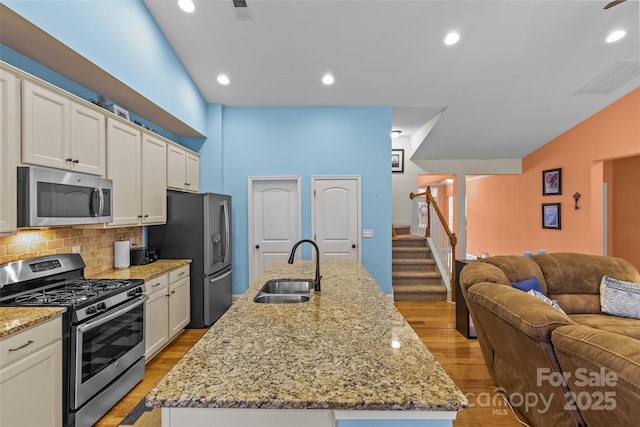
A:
(552, 182)
(121, 112)
(551, 216)
(397, 160)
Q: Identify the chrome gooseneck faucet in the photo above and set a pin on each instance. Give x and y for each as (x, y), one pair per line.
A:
(316, 282)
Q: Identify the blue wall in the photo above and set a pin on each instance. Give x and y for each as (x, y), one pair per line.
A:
(304, 141)
(121, 37)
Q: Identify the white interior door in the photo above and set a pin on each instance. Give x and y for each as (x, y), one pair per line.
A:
(336, 217)
(274, 220)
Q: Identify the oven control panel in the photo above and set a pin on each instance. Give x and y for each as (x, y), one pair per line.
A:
(39, 267)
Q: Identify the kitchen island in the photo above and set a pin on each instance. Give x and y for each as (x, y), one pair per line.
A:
(343, 358)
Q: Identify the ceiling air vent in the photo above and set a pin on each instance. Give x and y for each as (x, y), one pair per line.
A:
(243, 13)
(613, 78)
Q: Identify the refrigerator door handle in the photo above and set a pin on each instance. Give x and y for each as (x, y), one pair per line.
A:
(227, 231)
(215, 279)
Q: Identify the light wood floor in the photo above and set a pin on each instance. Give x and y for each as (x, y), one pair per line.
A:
(433, 321)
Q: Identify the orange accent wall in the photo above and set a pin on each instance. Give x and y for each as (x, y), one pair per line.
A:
(625, 229)
(504, 211)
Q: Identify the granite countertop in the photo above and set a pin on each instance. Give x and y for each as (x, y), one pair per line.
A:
(17, 319)
(346, 348)
(145, 272)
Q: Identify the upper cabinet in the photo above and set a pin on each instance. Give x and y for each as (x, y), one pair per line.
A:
(183, 169)
(136, 163)
(61, 133)
(9, 138)
(154, 175)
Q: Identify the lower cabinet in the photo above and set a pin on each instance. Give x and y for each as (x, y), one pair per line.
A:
(167, 309)
(31, 377)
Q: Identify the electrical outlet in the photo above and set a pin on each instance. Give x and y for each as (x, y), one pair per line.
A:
(75, 249)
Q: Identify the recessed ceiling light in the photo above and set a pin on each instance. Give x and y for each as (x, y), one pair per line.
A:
(451, 38)
(223, 79)
(187, 5)
(328, 79)
(615, 36)
(395, 133)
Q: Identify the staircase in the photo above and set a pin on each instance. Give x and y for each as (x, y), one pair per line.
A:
(414, 275)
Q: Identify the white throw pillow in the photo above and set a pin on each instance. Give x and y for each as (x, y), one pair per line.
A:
(542, 297)
(620, 298)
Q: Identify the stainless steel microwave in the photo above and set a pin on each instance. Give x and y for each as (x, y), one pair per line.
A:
(49, 196)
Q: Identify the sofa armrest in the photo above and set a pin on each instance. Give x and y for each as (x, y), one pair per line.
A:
(524, 312)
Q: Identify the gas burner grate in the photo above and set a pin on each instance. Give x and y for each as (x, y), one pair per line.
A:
(54, 297)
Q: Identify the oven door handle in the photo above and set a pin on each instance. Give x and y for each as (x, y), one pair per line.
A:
(101, 320)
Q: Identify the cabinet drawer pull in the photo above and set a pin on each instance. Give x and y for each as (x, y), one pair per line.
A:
(155, 284)
(186, 183)
(28, 343)
(181, 273)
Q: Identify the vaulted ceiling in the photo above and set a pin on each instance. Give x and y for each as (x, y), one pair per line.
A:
(522, 73)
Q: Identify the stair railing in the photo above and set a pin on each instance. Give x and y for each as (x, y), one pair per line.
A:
(441, 240)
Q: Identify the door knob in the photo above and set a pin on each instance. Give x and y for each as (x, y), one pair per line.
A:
(257, 246)
(353, 246)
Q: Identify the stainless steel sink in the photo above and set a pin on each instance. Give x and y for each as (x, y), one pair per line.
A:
(286, 287)
(284, 291)
(280, 298)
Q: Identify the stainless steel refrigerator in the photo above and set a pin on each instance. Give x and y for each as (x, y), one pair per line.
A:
(199, 228)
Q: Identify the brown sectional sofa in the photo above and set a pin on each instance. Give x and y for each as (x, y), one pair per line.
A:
(557, 369)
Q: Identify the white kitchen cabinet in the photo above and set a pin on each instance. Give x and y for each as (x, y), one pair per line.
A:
(179, 300)
(136, 163)
(9, 137)
(59, 132)
(154, 175)
(167, 309)
(192, 172)
(157, 316)
(124, 144)
(31, 377)
(183, 169)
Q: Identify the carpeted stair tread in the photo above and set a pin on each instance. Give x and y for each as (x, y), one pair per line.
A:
(415, 274)
(400, 249)
(413, 261)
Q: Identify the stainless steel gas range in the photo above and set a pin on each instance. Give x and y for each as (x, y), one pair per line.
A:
(103, 329)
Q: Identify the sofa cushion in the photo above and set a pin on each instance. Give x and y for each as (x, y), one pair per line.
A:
(528, 285)
(620, 298)
(573, 279)
(603, 373)
(517, 268)
(613, 324)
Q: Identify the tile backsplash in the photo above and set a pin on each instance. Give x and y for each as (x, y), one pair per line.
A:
(96, 245)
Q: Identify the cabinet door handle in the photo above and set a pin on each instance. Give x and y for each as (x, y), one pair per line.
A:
(173, 292)
(28, 343)
(76, 161)
(146, 216)
(68, 159)
(187, 184)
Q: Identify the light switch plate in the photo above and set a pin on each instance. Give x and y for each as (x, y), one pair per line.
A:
(367, 232)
